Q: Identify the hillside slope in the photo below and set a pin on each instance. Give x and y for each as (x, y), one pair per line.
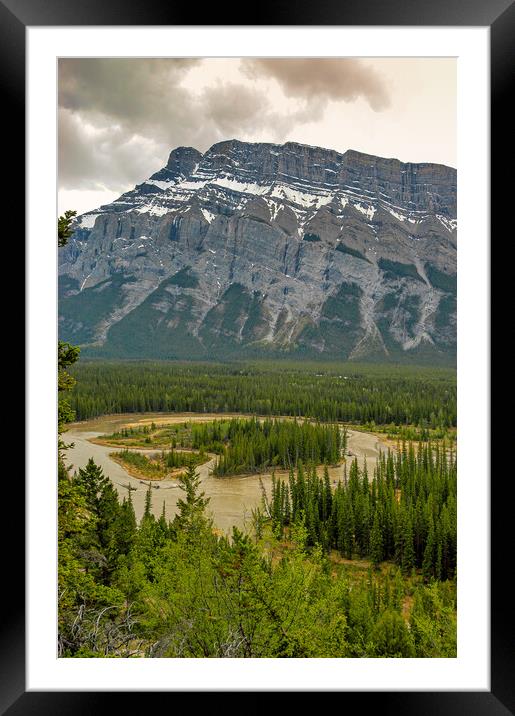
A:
(268, 250)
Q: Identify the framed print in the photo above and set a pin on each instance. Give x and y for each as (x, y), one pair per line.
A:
(260, 272)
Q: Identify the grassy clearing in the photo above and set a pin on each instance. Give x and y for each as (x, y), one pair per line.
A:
(167, 436)
(160, 466)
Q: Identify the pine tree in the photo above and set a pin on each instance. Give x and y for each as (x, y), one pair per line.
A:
(191, 515)
(408, 553)
(125, 527)
(64, 228)
(92, 481)
(147, 514)
(428, 562)
(376, 541)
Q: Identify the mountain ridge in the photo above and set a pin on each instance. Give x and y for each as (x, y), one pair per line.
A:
(283, 249)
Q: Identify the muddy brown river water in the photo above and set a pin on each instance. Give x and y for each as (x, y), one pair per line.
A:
(231, 498)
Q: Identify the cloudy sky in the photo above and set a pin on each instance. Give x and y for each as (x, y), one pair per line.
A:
(118, 119)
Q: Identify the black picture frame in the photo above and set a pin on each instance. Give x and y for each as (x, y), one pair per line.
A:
(499, 16)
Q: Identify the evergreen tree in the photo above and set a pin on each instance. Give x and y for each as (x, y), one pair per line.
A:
(391, 637)
(147, 514)
(376, 541)
(125, 527)
(67, 354)
(64, 227)
(428, 562)
(92, 481)
(191, 515)
(407, 552)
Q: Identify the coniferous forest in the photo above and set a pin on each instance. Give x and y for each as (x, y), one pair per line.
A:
(360, 567)
(355, 572)
(407, 395)
(254, 446)
(364, 565)
(257, 350)
(406, 513)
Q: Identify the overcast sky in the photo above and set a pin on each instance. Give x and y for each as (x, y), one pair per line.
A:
(120, 118)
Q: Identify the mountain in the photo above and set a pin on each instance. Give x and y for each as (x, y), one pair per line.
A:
(268, 250)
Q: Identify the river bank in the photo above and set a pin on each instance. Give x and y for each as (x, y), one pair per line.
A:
(232, 499)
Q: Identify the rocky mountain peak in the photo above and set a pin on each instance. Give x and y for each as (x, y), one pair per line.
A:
(288, 249)
(183, 160)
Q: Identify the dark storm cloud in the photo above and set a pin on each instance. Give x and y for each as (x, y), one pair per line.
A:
(323, 79)
(93, 157)
(139, 93)
(119, 117)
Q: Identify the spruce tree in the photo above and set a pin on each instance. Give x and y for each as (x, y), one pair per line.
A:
(376, 541)
(408, 553)
(92, 481)
(108, 511)
(191, 515)
(326, 495)
(428, 562)
(147, 514)
(125, 527)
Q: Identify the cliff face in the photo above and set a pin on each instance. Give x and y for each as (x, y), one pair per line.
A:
(264, 249)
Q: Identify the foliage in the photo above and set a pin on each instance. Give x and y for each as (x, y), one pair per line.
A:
(143, 465)
(396, 270)
(326, 392)
(391, 637)
(301, 587)
(64, 230)
(412, 433)
(176, 589)
(439, 279)
(67, 354)
(81, 311)
(406, 513)
(159, 465)
(249, 446)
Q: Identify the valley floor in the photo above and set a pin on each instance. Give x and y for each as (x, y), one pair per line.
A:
(231, 498)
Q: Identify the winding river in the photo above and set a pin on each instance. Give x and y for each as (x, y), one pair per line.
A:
(231, 499)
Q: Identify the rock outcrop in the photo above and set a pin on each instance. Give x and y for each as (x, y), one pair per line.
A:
(268, 250)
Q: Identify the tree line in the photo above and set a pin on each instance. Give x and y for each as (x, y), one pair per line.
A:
(174, 588)
(258, 445)
(422, 397)
(405, 513)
